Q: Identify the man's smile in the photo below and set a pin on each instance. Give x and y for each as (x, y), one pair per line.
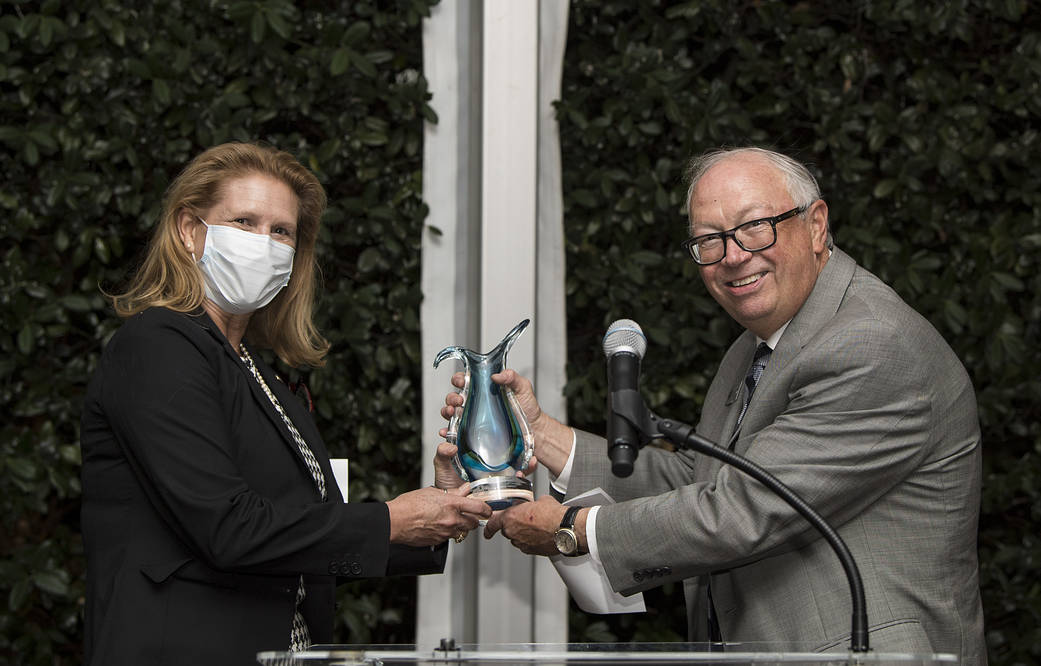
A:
(742, 282)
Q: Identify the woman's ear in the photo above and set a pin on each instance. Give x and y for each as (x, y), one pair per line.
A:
(187, 223)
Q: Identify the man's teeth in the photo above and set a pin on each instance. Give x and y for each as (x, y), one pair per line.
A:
(748, 280)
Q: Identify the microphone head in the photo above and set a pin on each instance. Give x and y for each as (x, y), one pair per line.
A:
(625, 335)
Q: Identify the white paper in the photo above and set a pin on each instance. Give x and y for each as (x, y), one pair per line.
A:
(339, 466)
(586, 579)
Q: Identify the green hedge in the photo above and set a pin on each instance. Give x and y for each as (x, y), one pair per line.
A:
(921, 120)
(101, 103)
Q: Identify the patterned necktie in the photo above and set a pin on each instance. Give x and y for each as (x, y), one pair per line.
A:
(299, 636)
(759, 361)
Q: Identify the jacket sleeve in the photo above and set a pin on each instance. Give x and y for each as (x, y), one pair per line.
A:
(417, 560)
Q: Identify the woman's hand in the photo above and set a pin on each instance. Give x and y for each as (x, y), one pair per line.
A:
(428, 516)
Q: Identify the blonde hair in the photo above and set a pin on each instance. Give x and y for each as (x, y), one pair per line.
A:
(169, 278)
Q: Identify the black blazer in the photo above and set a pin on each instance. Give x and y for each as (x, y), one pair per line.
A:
(199, 516)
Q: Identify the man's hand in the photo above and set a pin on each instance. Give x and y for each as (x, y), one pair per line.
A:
(552, 438)
(509, 378)
(529, 526)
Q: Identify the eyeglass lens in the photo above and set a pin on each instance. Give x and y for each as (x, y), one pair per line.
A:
(751, 236)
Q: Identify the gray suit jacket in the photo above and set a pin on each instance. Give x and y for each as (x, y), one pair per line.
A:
(866, 413)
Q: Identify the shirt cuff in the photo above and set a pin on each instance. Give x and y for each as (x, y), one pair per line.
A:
(560, 483)
(594, 552)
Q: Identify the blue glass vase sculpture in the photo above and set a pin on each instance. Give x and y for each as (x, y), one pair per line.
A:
(490, 431)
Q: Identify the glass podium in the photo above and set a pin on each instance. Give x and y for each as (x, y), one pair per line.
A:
(590, 654)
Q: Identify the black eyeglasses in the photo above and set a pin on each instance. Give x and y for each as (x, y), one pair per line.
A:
(752, 236)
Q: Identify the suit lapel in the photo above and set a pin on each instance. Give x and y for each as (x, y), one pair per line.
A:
(304, 424)
(736, 397)
(823, 302)
(818, 309)
(300, 420)
(730, 376)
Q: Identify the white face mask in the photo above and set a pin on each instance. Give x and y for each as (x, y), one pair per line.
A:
(243, 270)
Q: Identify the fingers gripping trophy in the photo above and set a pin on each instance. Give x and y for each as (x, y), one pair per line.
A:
(492, 436)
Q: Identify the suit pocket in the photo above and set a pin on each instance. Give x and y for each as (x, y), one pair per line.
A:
(901, 635)
(904, 635)
(191, 570)
(195, 615)
(158, 572)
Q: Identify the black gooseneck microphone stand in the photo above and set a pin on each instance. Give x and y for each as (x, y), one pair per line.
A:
(629, 405)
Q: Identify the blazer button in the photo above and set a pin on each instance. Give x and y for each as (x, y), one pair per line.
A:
(638, 576)
(356, 568)
(333, 569)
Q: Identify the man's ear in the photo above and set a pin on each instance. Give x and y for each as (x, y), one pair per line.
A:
(817, 216)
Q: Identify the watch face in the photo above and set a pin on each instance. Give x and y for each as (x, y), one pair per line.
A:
(566, 541)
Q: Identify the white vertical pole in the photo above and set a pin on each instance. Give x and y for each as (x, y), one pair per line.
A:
(551, 597)
(491, 176)
(450, 283)
(508, 204)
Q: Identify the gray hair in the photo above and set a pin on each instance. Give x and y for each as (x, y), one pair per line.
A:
(802, 187)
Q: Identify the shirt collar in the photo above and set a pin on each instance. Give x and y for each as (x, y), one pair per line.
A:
(772, 341)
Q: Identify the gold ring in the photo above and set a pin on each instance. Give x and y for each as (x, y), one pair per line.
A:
(459, 538)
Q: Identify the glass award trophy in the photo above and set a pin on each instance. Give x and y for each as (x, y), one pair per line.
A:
(490, 431)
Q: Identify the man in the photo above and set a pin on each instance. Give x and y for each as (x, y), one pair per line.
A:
(861, 408)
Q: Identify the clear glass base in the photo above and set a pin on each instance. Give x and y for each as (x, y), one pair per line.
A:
(598, 654)
(502, 492)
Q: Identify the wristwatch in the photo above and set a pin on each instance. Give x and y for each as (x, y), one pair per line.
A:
(565, 538)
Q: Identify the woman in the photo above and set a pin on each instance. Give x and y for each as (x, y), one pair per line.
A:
(213, 526)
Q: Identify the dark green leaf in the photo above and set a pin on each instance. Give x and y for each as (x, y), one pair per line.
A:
(341, 59)
(52, 582)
